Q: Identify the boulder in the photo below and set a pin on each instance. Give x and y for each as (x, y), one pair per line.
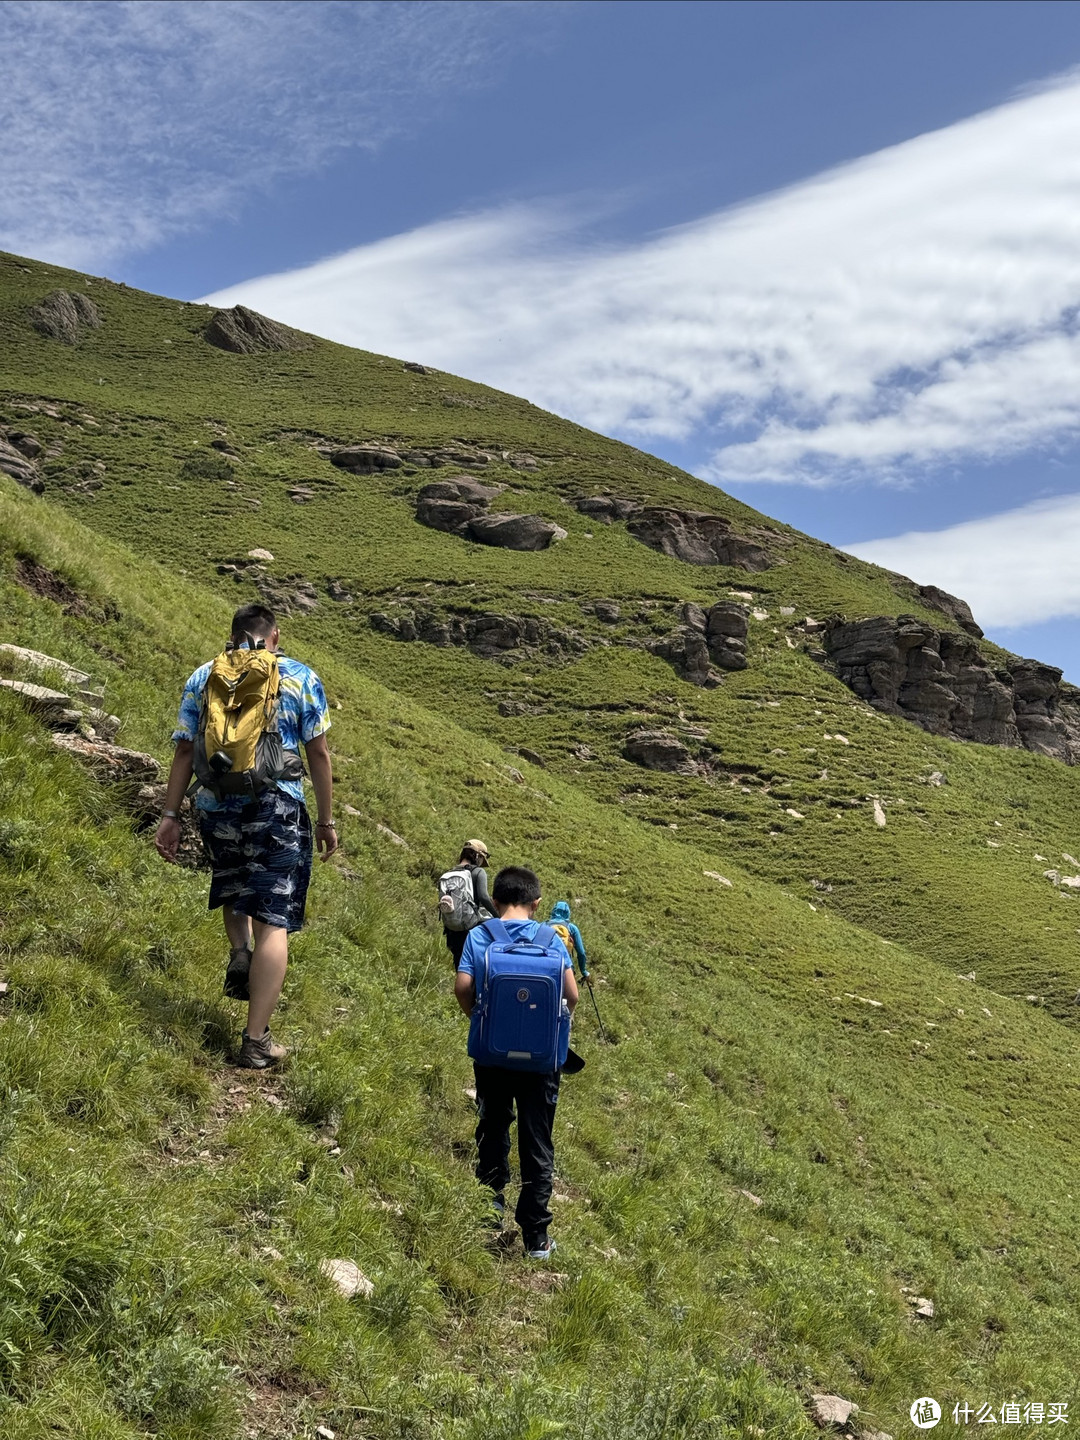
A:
(52, 706)
(828, 1411)
(522, 460)
(958, 611)
(348, 1277)
(415, 367)
(697, 537)
(515, 532)
(726, 626)
(21, 469)
(289, 595)
(659, 750)
(460, 487)
(491, 636)
(78, 680)
(450, 516)
(607, 611)
(606, 508)
(707, 638)
(63, 315)
(245, 332)
(365, 459)
(337, 591)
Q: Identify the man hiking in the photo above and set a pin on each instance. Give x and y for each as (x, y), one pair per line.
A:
(242, 719)
(463, 896)
(516, 982)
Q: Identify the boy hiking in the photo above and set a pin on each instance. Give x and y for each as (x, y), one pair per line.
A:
(242, 719)
(463, 896)
(516, 982)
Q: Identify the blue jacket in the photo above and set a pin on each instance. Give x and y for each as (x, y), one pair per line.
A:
(560, 915)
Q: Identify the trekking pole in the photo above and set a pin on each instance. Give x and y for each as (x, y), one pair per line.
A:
(592, 996)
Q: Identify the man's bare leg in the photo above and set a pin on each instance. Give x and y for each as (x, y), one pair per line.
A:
(267, 975)
(237, 928)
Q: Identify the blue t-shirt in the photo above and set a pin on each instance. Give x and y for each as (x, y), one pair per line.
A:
(302, 714)
(478, 940)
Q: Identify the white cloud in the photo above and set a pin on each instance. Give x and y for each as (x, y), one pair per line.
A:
(123, 122)
(916, 306)
(1017, 568)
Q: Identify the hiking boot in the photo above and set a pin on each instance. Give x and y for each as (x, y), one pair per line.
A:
(540, 1247)
(497, 1214)
(260, 1053)
(236, 974)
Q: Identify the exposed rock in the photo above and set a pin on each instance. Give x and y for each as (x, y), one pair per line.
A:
(959, 611)
(415, 367)
(879, 814)
(365, 459)
(697, 537)
(301, 494)
(606, 508)
(515, 532)
(435, 457)
(26, 444)
(110, 762)
(53, 706)
(147, 803)
(707, 638)
(491, 636)
(532, 757)
(64, 315)
(288, 595)
(941, 681)
(450, 516)
(78, 680)
(245, 332)
(259, 554)
(522, 460)
(607, 611)
(659, 750)
(720, 879)
(15, 463)
(392, 836)
(831, 1410)
(347, 1276)
(460, 487)
(337, 591)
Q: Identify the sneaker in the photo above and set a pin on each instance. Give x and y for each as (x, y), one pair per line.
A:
(540, 1248)
(236, 974)
(498, 1211)
(260, 1053)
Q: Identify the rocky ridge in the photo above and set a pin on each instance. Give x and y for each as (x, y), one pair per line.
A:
(697, 537)
(940, 680)
(460, 507)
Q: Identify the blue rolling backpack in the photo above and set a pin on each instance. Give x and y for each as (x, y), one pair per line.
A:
(521, 1021)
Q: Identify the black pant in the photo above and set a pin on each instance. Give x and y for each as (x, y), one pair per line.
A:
(497, 1091)
(455, 943)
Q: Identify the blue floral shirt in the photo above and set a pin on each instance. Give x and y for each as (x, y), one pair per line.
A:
(303, 714)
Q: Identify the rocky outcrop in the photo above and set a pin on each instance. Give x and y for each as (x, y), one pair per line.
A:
(20, 467)
(659, 750)
(697, 537)
(515, 532)
(958, 611)
(459, 507)
(285, 594)
(245, 332)
(606, 508)
(491, 636)
(706, 639)
(940, 680)
(64, 315)
(364, 459)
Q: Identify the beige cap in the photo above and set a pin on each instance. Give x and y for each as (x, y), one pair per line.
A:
(478, 846)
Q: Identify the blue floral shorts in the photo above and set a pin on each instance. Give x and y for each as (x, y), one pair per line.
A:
(261, 858)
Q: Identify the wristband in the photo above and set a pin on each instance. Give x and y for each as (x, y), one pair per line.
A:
(325, 825)
(169, 815)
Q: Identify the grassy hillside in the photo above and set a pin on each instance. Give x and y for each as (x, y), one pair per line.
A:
(807, 1113)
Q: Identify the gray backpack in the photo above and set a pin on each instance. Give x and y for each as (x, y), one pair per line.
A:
(457, 900)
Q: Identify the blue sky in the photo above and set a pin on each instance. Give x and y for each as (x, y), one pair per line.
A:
(826, 255)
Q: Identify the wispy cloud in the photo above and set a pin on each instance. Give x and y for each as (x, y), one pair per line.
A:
(914, 307)
(1017, 568)
(123, 122)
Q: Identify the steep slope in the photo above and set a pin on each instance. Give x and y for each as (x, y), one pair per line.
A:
(901, 1127)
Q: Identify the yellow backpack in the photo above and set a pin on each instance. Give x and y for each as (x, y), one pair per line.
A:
(238, 749)
(563, 932)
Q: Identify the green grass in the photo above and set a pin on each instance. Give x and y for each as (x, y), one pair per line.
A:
(925, 1141)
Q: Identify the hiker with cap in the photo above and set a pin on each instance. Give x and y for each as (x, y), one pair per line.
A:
(464, 901)
(516, 983)
(242, 720)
